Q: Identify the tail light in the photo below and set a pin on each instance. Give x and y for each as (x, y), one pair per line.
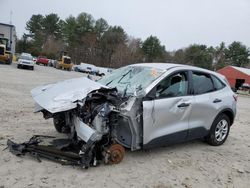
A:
(235, 97)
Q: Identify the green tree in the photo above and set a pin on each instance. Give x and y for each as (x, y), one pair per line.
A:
(35, 27)
(101, 26)
(46, 30)
(111, 39)
(220, 56)
(237, 54)
(35, 24)
(153, 49)
(179, 56)
(85, 24)
(199, 55)
(69, 31)
(51, 26)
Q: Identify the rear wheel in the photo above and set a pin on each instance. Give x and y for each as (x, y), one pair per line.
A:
(219, 130)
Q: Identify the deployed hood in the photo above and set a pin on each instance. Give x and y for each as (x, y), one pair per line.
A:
(63, 95)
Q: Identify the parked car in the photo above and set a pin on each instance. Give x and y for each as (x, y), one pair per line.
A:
(136, 107)
(42, 60)
(244, 89)
(92, 69)
(86, 68)
(34, 59)
(25, 61)
(55, 64)
(50, 63)
(102, 71)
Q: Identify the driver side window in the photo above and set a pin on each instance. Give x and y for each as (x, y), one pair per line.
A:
(174, 85)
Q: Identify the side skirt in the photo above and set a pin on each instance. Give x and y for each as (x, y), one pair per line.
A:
(178, 137)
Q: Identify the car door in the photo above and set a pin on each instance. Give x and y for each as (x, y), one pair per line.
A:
(166, 111)
(205, 105)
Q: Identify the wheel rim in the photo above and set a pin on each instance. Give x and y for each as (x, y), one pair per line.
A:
(221, 130)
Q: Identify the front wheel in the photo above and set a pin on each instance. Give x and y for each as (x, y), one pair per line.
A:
(219, 130)
(59, 122)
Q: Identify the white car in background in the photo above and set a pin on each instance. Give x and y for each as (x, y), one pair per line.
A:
(92, 69)
(86, 68)
(104, 71)
(25, 61)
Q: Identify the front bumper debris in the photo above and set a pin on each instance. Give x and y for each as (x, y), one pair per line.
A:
(58, 150)
(65, 152)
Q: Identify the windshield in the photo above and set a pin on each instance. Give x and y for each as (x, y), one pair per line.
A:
(131, 80)
(26, 57)
(67, 60)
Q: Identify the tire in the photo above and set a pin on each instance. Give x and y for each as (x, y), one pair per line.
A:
(9, 62)
(219, 130)
(59, 122)
(32, 68)
(18, 66)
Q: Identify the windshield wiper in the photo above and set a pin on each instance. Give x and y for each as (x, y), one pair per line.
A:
(125, 90)
(109, 82)
(124, 75)
(120, 78)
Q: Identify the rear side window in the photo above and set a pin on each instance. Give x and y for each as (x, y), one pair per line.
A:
(202, 83)
(217, 83)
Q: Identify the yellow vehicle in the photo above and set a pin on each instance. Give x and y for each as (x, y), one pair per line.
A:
(5, 54)
(64, 62)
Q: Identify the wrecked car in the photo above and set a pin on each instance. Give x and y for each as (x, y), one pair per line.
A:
(136, 107)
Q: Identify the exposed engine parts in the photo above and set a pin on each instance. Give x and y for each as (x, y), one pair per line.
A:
(92, 129)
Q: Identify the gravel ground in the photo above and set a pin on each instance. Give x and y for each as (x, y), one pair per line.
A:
(192, 164)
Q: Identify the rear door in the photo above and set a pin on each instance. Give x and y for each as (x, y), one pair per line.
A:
(205, 104)
(166, 111)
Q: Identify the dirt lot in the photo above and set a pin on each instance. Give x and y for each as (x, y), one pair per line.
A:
(192, 164)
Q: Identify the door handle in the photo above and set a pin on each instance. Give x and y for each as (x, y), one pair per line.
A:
(183, 105)
(217, 100)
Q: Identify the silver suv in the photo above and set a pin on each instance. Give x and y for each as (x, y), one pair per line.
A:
(138, 106)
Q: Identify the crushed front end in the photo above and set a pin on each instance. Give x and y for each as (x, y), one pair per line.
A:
(99, 126)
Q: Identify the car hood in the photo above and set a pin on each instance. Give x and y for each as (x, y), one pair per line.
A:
(63, 95)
